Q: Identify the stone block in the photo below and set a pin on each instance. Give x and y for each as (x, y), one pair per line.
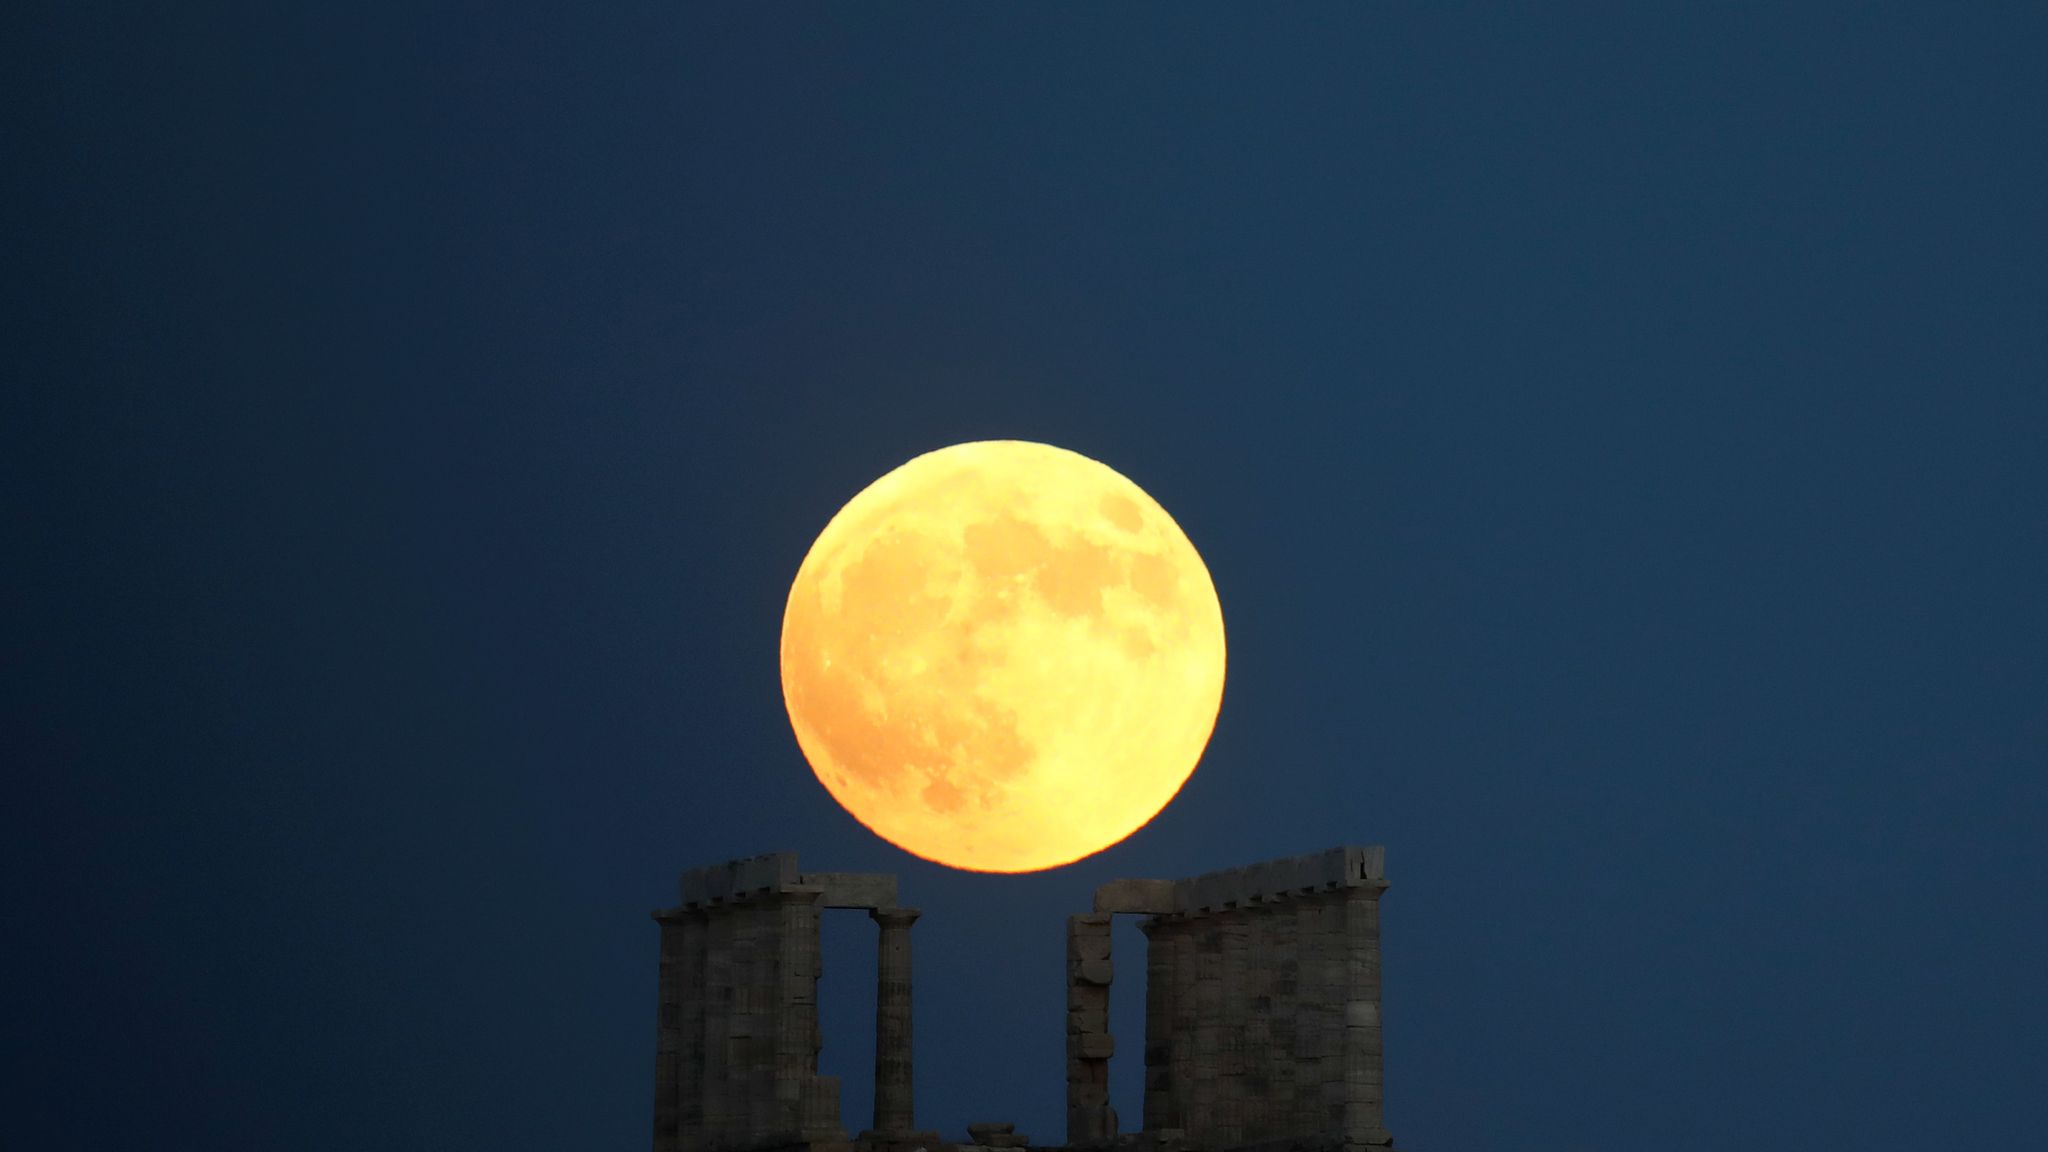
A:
(853, 889)
(1088, 1020)
(1280, 1037)
(734, 878)
(1309, 1042)
(1331, 1044)
(1335, 972)
(872, 1141)
(1362, 1014)
(1097, 972)
(1216, 891)
(1366, 1134)
(1141, 897)
(1090, 1045)
(1090, 1124)
(1362, 1085)
(1338, 868)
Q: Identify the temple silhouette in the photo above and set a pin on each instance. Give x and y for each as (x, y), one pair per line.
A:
(1262, 1013)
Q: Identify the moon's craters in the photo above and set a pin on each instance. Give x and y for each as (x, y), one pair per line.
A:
(1122, 511)
(885, 690)
(1002, 656)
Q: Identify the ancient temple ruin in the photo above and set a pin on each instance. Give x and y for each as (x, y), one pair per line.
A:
(737, 1037)
(1262, 1012)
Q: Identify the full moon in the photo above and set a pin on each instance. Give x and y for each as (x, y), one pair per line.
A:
(1002, 656)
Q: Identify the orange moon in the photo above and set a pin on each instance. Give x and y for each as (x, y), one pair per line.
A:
(1002, 656)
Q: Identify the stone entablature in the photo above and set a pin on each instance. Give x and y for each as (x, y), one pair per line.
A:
(776, 873)
(1262, 1012)
(1347, 867)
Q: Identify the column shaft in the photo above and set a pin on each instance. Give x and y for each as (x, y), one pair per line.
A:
(1207, 1038)
(1364, 1091)
(1158, 1025)
(796, 1025)
(715, 1089)
(1089, 1043)
(1231, 1045)
(668, 1034)
(1184, 981)
(750, 1065)
(1284, 1112)
(894, 1107)
(1310, 1114)
(1256, 1095)
(690, 1070)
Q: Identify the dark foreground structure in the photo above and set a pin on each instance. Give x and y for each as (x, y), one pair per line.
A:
(1262, 1012)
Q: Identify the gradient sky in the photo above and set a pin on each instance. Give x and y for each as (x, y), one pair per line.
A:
(1615, 430)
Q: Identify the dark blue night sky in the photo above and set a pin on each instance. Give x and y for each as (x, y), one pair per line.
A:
(1615, 431)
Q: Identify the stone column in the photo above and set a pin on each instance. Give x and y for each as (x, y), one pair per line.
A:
(1186, 1016)
(715, 1090)
(1285, 1111)
(668, 1033)
(1364, 1090)
(750, 1063)
(1229, 1116)
(1332, 963)
(1159, 1110)
(1207, 1038)
(1089, 1044)
(894, 1109)
(796, 1025)
(1258, 1079)
(690, 1073)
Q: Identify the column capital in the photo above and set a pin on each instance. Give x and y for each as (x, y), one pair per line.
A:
(895, 917)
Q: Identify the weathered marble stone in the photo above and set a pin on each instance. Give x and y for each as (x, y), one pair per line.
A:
(1141, 897)
(1262, 1012)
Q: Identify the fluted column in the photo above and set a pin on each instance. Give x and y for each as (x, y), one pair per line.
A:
(690, 1071)
(894, 1110)
(1364, 1127)
(1229, 1115)
(1207, 1038)
(718, 1122)
(668, 1033)
(1160, 1011)
(796, 1027)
